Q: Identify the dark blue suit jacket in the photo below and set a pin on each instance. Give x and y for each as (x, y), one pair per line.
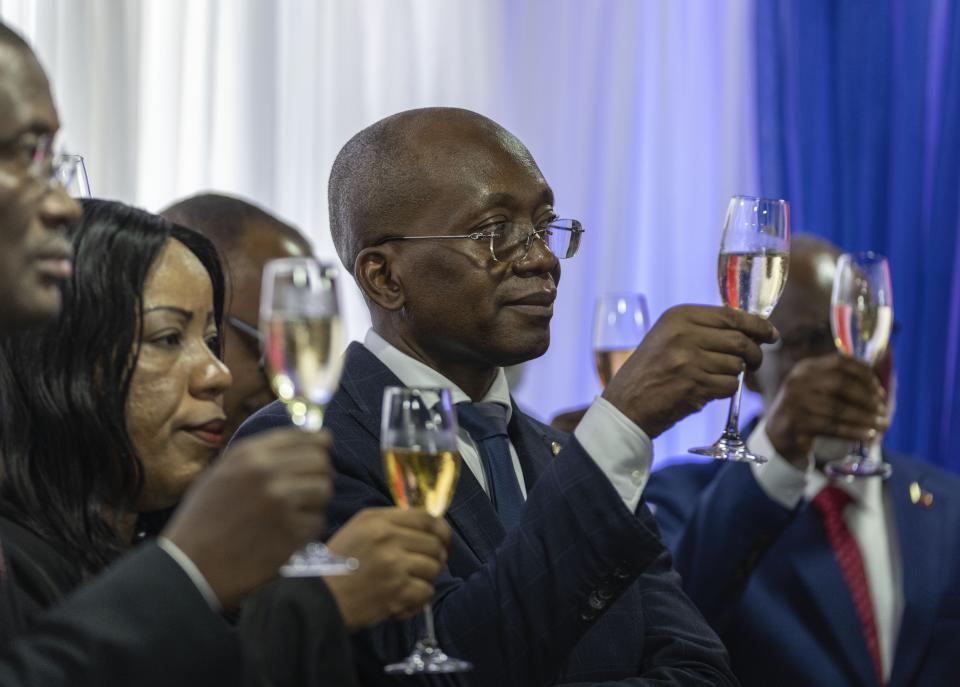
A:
(767, 579)
(581, 591)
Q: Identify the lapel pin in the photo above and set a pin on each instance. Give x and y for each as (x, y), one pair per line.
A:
(920, 496)
(555, 447)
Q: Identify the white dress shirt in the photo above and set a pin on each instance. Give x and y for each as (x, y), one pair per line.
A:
(869, 517)
(621, 450)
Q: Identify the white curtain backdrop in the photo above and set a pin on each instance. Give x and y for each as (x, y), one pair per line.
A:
(640, 113)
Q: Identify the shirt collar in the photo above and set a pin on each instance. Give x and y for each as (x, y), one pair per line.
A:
(413, 372)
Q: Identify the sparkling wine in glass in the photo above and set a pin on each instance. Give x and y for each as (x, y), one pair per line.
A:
(303, 348)
(751, 272)
(620, 321)
(861, 317)
(421, 458)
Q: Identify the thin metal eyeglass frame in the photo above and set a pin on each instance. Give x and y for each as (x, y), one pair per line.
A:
(576, 229)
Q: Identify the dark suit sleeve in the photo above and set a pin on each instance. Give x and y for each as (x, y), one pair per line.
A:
(141, 622)
(293, 636)
(717, 529)
(679, 648)
(520, 615)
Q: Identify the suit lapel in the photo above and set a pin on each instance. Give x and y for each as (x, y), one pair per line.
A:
(532, 443)
(364, 378)
(830, 601)
(919, 531)
(470, 514)
(474, 518)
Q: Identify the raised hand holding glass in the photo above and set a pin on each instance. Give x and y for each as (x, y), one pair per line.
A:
(751, 271)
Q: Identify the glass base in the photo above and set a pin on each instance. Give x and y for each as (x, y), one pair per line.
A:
(428, 658)
(730, 446)
(852, 467)
(316, 560)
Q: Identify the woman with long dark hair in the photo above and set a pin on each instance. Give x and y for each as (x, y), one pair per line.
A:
(111, 412)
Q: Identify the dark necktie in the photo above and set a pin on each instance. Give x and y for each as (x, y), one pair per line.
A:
(830, 502)
(486, 423)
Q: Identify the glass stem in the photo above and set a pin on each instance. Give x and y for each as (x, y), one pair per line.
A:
(429, 639)
(733, 416)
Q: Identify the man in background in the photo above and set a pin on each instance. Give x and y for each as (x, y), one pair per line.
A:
(810, 581)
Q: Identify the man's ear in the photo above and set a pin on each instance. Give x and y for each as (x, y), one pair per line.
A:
(374, 273)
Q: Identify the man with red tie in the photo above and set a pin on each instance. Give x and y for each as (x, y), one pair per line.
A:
(809, 581)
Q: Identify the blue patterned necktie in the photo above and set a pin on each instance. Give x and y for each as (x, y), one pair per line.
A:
(486, 423)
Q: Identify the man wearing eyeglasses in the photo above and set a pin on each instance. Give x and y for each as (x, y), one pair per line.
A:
(556, 573)
(810, 581)
(152, 618)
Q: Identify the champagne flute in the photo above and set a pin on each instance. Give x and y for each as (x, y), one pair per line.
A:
(422, 463)
(620, 321)
(752, 271)
(303, 349)
(861, 317)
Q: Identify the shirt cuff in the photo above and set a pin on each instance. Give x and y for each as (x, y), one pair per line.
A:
(778, 478)
(193, 572)
(621, 450)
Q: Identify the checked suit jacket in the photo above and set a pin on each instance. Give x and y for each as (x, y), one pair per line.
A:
(581, 591)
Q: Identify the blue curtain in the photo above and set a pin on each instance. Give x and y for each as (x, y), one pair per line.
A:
(859, 126)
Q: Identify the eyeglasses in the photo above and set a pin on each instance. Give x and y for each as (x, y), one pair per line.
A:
(44, 162)
(512, 240)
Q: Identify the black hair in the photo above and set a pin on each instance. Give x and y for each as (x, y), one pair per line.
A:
(68, 459)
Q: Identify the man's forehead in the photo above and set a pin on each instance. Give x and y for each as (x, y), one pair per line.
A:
(259, 244)
(26, 103)
(490, 162)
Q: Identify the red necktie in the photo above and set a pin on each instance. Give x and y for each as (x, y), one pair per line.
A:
(830, 502)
